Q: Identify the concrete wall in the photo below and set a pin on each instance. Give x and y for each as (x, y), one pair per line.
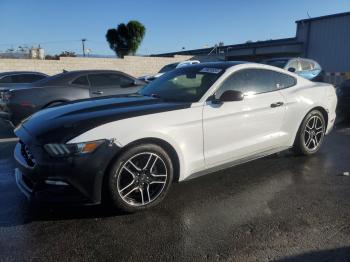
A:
(133, 65)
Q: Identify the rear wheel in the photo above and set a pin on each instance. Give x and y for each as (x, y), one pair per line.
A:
(140, 177)
(311, 134)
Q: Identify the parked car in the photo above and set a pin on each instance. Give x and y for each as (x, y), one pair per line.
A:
(64, 87)
(303, 67)
(17, 79)
(168, 68)
(343, 93)
(11, 79)
(192, 121)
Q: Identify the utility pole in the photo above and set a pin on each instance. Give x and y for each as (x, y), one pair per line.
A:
(83, 43)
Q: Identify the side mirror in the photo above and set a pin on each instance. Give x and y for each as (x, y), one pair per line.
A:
(229, 96)
(291, 69)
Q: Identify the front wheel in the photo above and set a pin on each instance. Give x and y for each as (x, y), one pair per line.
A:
(140, 177)
(311, 134)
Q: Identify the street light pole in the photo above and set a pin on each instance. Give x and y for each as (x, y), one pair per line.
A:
(83, 43)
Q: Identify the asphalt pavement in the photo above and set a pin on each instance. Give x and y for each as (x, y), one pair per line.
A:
(279, 208)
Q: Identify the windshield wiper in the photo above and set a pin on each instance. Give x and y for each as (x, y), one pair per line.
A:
(155, 96)
(159, 97)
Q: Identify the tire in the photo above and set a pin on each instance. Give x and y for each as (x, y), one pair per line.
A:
(147, 171)
(311, 134)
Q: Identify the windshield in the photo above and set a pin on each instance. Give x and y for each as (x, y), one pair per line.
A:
(168, 68)
(277, 63)
(187, 84)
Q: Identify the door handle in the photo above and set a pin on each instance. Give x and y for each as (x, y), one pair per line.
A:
(97, 92)
(277, 104)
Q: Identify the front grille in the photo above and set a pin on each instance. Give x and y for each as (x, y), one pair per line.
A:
(27, 155)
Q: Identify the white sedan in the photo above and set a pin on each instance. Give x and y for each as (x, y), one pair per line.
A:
(189, 122)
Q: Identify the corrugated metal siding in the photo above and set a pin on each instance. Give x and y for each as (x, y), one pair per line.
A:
(329, 43)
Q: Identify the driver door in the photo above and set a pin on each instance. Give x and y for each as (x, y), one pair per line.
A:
(239, 129)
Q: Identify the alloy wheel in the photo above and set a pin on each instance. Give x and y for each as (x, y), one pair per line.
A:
(314, 133)
(142, 178)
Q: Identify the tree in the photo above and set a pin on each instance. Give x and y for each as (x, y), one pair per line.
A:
(62, 54)
(126, 38)
(67, 54)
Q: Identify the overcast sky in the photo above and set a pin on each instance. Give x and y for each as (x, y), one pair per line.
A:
(170, 25)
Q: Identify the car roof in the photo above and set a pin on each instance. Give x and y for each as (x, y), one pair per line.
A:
(92, 71)
(66, 77)
(220, 65)
(20, 72)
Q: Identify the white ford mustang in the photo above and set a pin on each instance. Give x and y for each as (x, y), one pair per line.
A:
(191, 121)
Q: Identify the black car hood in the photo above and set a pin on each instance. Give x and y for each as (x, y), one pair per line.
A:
(62, 123)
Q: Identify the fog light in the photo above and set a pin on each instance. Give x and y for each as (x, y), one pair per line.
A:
(56, 183)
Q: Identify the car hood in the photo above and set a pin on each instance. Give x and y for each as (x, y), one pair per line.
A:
(62, 123)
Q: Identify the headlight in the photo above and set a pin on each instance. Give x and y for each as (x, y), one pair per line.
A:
(60, 150)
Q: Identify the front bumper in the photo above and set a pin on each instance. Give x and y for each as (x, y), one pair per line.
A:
(70, 180)
(48, 193)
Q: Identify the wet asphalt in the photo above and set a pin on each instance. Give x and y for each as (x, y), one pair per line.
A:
(279, 208)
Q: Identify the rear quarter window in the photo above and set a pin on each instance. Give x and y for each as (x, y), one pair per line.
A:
(285, 81)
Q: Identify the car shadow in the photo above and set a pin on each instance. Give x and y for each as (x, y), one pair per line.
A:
(25, 212)
(334, 255)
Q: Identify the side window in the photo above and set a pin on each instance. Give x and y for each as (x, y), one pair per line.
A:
(306, 65)
(104, 80)
(284, 81)
(250, 81)
(27, 78)
(81, 81)
(34, 77)
(6, 79)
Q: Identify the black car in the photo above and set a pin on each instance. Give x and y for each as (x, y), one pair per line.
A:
(21, 102)
(343, 93)
(15, 78)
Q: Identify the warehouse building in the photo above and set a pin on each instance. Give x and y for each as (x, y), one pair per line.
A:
(325, 39)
